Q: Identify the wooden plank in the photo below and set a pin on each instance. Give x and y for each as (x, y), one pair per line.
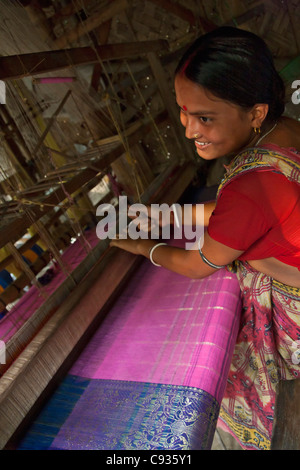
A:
(92, 22)
(286, 431)
(25, 65)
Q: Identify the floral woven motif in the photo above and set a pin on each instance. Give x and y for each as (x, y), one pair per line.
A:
(120, 415)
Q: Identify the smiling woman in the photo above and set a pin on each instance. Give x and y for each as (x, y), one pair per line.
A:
(231, 102)
(236, 66)
(217, 127)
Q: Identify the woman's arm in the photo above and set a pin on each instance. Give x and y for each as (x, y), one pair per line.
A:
(186, 262)
(208, 210)
(189, 213)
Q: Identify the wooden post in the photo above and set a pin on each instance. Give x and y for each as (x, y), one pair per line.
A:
(286, 430)
(27, 65)
(22, 264)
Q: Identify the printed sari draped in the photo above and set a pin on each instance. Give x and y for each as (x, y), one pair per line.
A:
(268, 341)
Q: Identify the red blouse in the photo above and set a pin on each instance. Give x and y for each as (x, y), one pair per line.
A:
(259, 213)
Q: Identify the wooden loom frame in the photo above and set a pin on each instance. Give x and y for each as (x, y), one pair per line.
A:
(18, 393)
(45, 356)
(49, 354)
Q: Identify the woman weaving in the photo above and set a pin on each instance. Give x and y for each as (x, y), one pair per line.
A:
(231, 102)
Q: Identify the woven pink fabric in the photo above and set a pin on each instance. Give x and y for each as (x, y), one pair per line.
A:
(168, 329)
(33, 299)
(164, 328)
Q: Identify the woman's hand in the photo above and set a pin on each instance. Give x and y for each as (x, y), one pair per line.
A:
(150, 219)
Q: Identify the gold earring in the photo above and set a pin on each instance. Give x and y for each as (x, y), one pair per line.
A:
(257, 130)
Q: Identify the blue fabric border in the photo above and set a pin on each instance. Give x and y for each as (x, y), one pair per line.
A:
(53, 415)
(101, 414)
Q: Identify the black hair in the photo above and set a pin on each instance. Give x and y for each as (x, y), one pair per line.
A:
(237, 66)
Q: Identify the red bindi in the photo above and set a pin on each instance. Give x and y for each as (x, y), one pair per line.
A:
(184, 108)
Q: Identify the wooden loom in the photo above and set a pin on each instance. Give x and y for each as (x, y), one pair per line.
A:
(43, 346)
(46, 344)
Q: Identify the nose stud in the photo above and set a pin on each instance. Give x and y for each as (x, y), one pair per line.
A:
(195, 136)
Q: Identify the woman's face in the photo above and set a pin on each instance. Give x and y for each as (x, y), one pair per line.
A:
(217, 127)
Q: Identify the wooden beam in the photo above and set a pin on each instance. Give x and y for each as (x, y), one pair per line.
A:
(25, 65)
(92, 22)
(286, 429)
